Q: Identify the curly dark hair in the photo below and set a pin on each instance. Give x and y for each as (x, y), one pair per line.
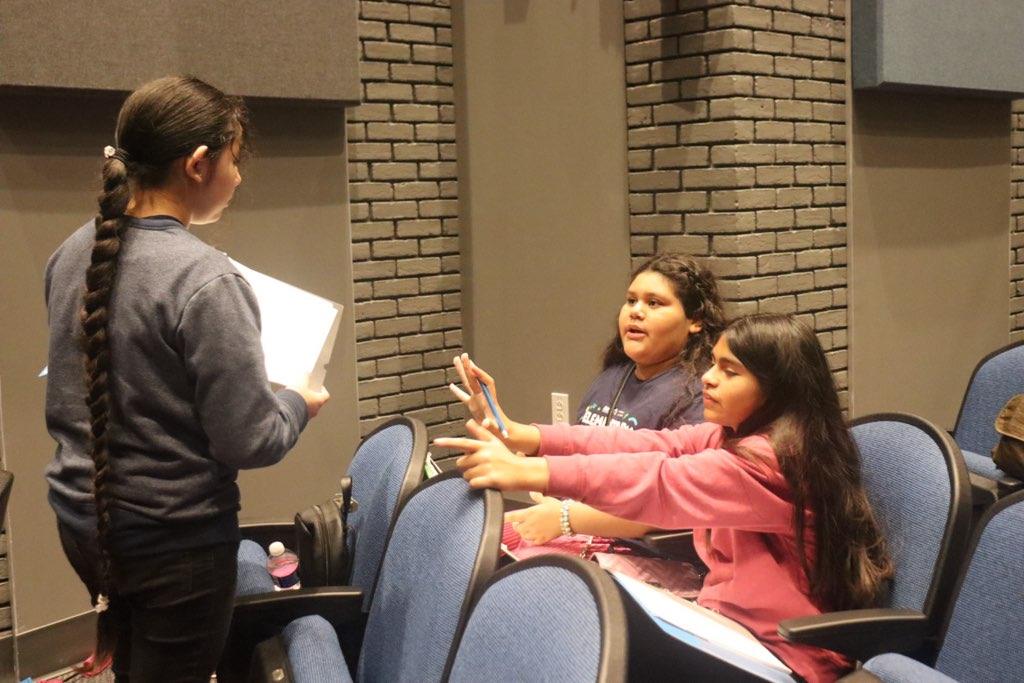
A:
(697, 289)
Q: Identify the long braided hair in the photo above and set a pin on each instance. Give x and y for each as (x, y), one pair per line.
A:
(163, 121)
(696, 288)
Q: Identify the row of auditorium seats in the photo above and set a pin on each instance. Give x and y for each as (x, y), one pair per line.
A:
(918, 485)
(980, 638)
(407, 615)
(916, 477)
(385, 469)
(438, 611)
(973, 622)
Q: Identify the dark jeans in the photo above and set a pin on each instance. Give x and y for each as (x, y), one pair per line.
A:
(173, 609)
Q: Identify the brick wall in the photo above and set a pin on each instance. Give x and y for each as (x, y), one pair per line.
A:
(403, 188)
(1017, 224)
(736, 117)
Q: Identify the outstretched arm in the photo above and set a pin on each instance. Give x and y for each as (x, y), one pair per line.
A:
(542, 522)
(713, 488)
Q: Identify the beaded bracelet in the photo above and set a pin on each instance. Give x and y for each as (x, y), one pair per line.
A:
(564, 518)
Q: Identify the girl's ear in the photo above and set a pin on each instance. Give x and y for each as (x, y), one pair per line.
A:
(696, 326)
(197, 164)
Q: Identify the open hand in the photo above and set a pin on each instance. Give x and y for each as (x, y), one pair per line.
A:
(488, 463)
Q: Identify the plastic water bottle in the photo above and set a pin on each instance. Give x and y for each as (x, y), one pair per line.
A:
(283, 566)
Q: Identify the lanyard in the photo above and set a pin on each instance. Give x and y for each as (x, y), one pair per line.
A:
(618, 393)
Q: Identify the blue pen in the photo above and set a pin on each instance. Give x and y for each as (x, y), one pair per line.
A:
(494, 410)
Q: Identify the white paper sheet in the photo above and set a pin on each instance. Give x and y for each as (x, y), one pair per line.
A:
(699, 621)
(299, 329)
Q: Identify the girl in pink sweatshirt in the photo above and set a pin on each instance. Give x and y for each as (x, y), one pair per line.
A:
(770, 484)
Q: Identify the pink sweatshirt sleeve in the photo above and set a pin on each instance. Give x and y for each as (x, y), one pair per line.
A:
(564, 439)
(712, 488)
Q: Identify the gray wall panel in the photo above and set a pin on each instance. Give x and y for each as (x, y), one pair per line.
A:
(928, 210)
(542, 192)
(939, 45)
(301, 49)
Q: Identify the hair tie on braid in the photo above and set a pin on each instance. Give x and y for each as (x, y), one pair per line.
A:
(116, 153)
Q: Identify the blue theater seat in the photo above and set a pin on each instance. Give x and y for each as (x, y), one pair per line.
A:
(548, 618)
(997, 378)
(441, 551)
(918, 486)
(385, 469)
(982, 641)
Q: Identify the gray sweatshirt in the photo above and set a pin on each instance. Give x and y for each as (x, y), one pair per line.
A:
(191, 403)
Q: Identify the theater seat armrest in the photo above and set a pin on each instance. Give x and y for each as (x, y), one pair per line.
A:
(270, 663)
(860, 676)
(675, 545)
(860, 634)
(263, 615)
(1008, 485)
(339, 605)
(265, 533)
(667, 536)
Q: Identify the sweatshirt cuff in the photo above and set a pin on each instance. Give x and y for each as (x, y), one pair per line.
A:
(567, 476)
(296, 404)
(554, 439)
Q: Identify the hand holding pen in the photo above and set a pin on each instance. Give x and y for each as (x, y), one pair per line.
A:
(478, 393)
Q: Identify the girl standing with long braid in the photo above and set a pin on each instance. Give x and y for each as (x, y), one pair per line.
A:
(157, 393)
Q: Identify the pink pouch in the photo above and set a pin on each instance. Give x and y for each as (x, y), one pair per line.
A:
(680, 578)
(580, 545)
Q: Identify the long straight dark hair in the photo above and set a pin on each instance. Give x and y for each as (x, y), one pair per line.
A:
(163, 121)
(801, 416)
(696, 288)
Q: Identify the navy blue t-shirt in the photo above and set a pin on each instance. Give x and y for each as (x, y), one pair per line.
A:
(642, 403)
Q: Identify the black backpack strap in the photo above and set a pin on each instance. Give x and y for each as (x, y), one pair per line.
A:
(346, 498)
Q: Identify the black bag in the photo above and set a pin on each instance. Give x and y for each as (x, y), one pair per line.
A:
(1009, 452)
(323, 537)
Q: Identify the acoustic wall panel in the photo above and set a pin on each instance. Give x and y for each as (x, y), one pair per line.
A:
(300, 49)
(966, 47)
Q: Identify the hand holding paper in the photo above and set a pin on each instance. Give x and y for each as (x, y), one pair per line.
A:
(314, 398)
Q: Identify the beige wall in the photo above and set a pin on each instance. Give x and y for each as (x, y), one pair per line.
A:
(289, 219)
(929, 241)
(542, 175)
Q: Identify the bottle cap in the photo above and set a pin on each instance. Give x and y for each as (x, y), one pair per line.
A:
(276, 549)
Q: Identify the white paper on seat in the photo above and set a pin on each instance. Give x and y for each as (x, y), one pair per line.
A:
(298, 329)
(700, 621)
